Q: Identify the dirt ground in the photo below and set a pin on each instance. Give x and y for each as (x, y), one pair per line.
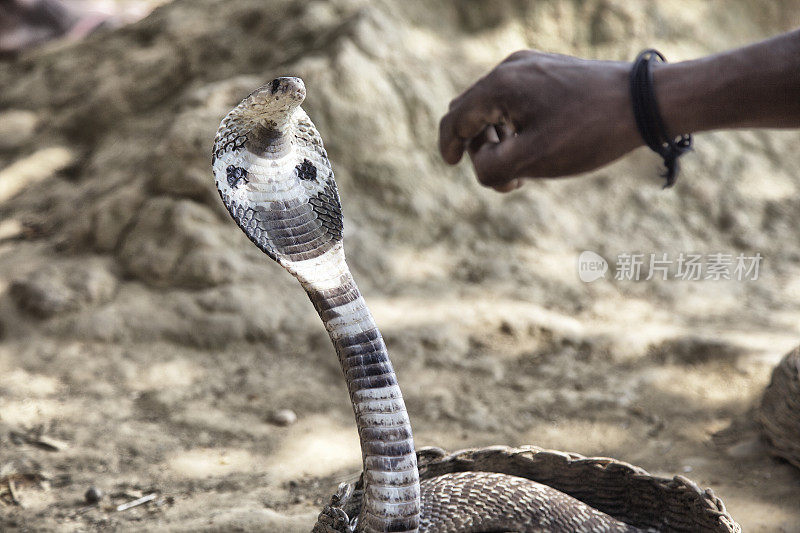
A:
(148, 348)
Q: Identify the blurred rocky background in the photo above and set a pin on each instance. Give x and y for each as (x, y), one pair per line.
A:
(148, 348)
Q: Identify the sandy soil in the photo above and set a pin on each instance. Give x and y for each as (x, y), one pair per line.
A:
(147, 346)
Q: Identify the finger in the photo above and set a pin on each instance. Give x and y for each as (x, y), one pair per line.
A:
(479, 140)
(505, 130)
(512, 185)
(491, 133)
(497, 164)
(471, 113)
(494, 134)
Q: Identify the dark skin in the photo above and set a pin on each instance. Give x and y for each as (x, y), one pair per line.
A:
(538, 115)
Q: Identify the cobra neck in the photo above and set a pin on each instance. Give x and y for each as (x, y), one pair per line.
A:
(391, 480)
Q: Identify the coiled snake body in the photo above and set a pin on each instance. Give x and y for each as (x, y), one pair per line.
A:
(275, 179)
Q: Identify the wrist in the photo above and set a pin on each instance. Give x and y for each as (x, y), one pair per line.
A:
(687, 96)
(621, 116)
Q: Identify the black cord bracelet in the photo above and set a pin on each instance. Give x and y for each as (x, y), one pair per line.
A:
(648, 118)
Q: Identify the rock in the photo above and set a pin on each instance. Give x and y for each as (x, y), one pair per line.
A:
(112, 215)
(178, 242)
(30, 170)
(178, 169)
(778, 414)
(63, 287)
(692, 349)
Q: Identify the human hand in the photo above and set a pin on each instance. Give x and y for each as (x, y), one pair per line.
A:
(541, 115)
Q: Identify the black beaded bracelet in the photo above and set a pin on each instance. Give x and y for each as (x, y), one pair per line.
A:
(648, 118)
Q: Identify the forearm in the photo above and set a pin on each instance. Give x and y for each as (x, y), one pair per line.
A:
(751, 87)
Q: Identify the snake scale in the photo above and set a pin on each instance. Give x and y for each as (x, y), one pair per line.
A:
(275, 179)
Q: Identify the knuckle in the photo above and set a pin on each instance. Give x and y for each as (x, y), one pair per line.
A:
(496, 74)
(502, 76)
(519, 54)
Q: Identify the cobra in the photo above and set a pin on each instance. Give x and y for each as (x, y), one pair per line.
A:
(275, 179)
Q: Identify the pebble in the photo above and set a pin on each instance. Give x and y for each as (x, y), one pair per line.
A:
(17, 127)
(93, 495)
(283, 417)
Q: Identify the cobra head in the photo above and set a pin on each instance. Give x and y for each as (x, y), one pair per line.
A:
(274, 176)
